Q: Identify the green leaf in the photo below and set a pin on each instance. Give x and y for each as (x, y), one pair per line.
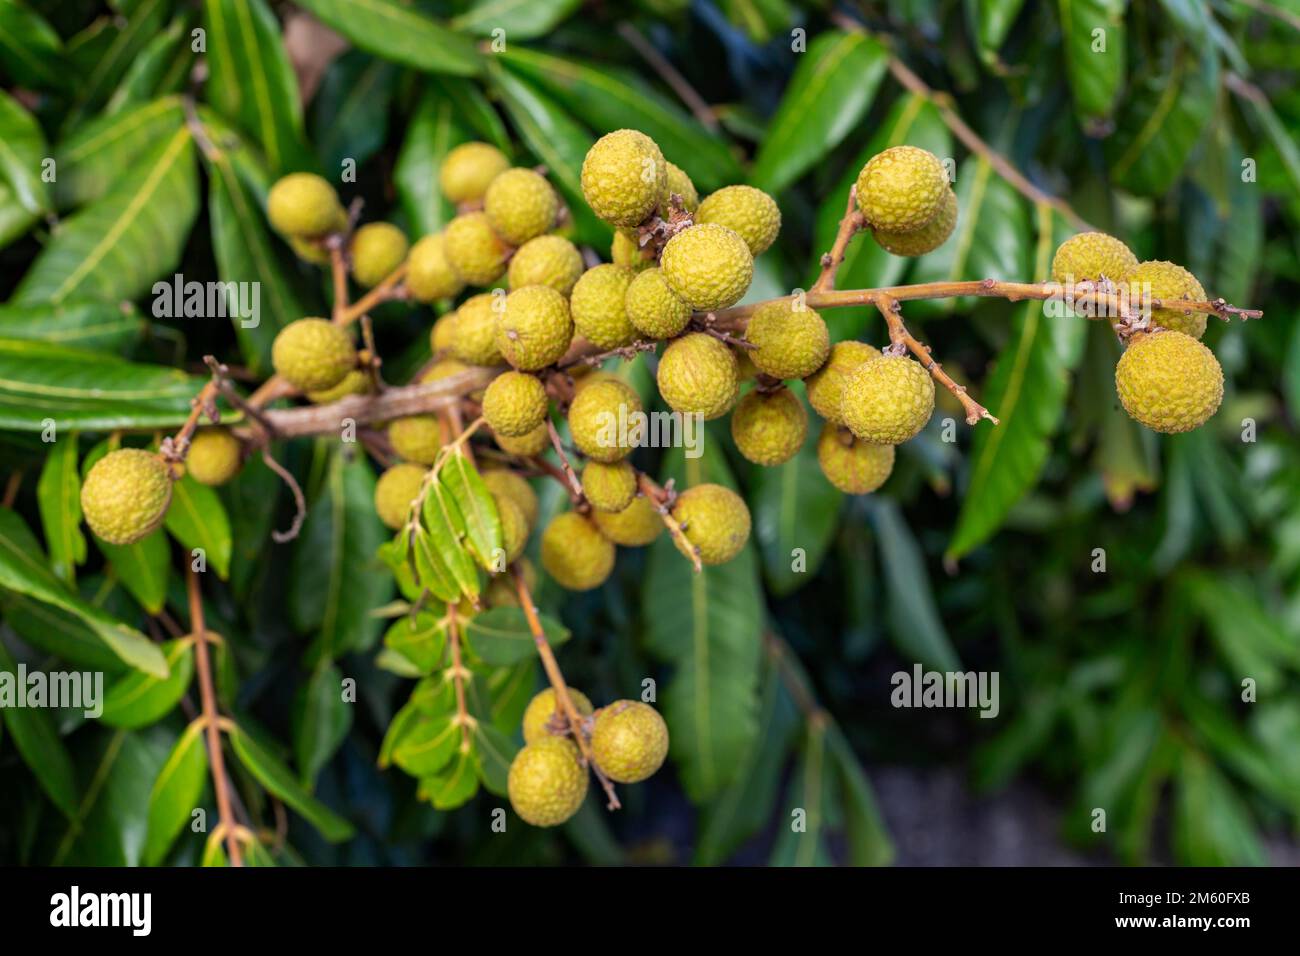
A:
(22, 151)
(279, 781)
(501, 636)
(1095, 75)
(321, 719)
(396, 32)
(31, 52)
(142, 568)
(523, 19)
(427, 746)
(350, 111)
(37, 742)
(97, 156)
(431, 133)
(86, 324)
(831, 90)
(129, 34)
(58, 493)
(1212, 827)
(868, 838)
(493, 754)
(14, 219)
(60, 633)
(446, 526)
(992, 21)
(430, 570)
(421, 639)
(176, 793)
(914, 622)
(138, 700)
(803, 829)
(198, 519)
(454, 786)
(1253, 642)
(160, 68)
(476, 507)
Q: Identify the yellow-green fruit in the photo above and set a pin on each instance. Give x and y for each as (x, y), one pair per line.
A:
(126, 494)
(629, 741)
(416, 438)
(1090, 256)
(746, 370)
(313, 354)
(623, 177)
(584, 375)
(1169, 381)
(769, 427)
(474, 330)
(926, 239)
(526, 446)
(750, 213)
(547, 260)
(469, 169)
(575, 553)
(521, 205)
(609, 487)
(901, 189)
(888, 401)
(303, 205)
(854, 466)
(507, 484)
(356, 382)
(654, 309)
(537, 716)
(309, 250)
(676, 181)
(547, 783)
(826, 386)
(715, 521)
(698, 375)
(792, 342)
(396, 488)
(443, 331)
(535, 328)
(473, 250)
(708, 266)
(377, 249)
(1165, 280)
(515, 403)
(627, 252)
(514, 530)
(635, 526)
(597, 306)
(601, 419)
(429, 276)
(444, 368)
(214, 456)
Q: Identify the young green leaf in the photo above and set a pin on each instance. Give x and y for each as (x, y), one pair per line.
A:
(198, 519)
(320, 721)
(477, 508)
(138, 700)
(271, 772)
(399, 33)
(22, 152)
(427, 746)
(454, 786)
(58, 494)
(422, 640)
(501, 636)
(84, 324)
(38, 743)
(142, 567)
(176, 793)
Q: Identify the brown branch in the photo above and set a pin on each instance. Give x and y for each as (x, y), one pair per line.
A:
(11, 489)
(669, 74)
(575, 486)
(339, 272)
(662, 499)
(387, 290)
(852, 222)
(299, 500)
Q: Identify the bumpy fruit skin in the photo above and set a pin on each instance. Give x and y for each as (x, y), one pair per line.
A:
(609, 487)
(521, 205)
(926, 239)
(853, 466)
(125, 495)
(214, 456)
(1090, 256)
(526, 446)
(654, 309)
(901, 189)
(1165, 280)
(750, 213)
(698, 375)
(599, 314)
(676, 181)
(535, 328)
(441, 334)
(444, 368)
(627, 252)
(309, 250)
(303, 205)
(416, 438)
(473, 250)
(547, 260)
(635, 526)
(715, 521)
(514, 530)
(429, 276)
(515, 403)
(888, 401)
(469, 169)
(769, 428)
(507, 484)
(377, 249)
(601, 418)
(629, 741)
(313, 354)
(356, 382)
(538, 713)
(826, 386)
(1168, 381)
(623, 177)
(395, 490)
(708, 266)
(791, 342)
(575, 553)
(473, 332)
(547, 783)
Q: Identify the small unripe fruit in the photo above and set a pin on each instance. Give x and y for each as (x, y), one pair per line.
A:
(792, 342)
(547, 783)
(125, 496)
(769, 427)
(521, 205)
(654, 310)
(635, 526)
(750, 213)
(214, 456)
(396, 488)
(600, 419)
(507, 484)
(826, 386)
(514, 530)
(697, 375)
(746, 370)
(537, 716)
(429, 276)
(629, 741)
(623, 177)
(526, 446)
(708, 266)
(609, 487)
(597, 305)
(575, 553)
(416, 438)
(473, 333)
(547, 260)
(515, 403)
(535, 328)
(626, 251)
(901, 189)
(309, 250)
(444, 368)
(474, 251)
(888, 401)
(442, 333)
(377, 249)
(715, 521)
(926, 239)
(677, 182)
(303, 205)
(1169, 381)
(469, 169)
(1090, 256)
(356, 382)
(1165, 280)
(313, 354)
(852, 465)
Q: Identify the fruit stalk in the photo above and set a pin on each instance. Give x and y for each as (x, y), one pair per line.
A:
(661, 496)
(458, 673)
